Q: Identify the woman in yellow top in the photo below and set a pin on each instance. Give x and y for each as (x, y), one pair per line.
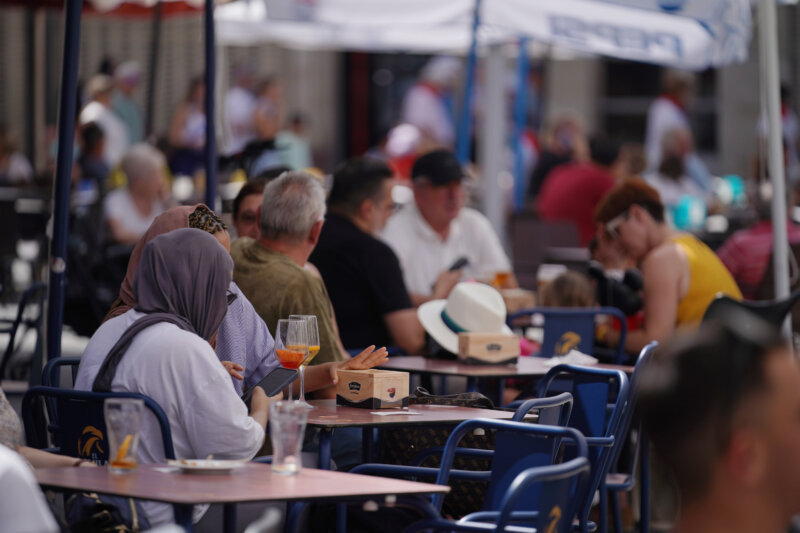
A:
(681, 274)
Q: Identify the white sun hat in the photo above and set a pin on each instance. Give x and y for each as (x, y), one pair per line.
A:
(471, 308)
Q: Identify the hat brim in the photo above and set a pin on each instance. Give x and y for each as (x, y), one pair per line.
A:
(430, 316)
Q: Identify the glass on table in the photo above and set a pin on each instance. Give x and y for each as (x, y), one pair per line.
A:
(312, 329)
(123, 418)
(291, 344)
(287, 427)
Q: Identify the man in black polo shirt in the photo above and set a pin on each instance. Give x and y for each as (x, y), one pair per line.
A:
(362, 274)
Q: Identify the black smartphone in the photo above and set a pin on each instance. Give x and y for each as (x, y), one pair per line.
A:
(273, 383)
(460, 263)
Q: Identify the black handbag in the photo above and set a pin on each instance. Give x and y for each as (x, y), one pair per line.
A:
(86, 512)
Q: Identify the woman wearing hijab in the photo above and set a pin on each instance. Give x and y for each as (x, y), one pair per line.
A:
(160, 348)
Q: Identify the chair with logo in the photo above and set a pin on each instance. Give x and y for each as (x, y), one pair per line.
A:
(77, 425)
(600, 396)
(518, 447)
(567, 328)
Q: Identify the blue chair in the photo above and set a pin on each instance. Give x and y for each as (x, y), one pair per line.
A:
(51, 374)
(557, 489)
(518, 447)
(34, 294)
(78, 426)
(617, 481)
(568, 328)
(600, 396)
(551, 411)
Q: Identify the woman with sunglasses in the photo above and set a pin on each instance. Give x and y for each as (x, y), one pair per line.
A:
(681, 274)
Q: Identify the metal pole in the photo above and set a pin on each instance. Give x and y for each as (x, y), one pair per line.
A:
(493, 139)
(211, 148)
(520, 108)
(61, 189)
(768, 40)
(155, 44)
(463, 136)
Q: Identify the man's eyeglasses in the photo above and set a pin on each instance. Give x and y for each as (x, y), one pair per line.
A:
(231, 296)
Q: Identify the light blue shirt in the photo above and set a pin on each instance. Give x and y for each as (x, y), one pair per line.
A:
(245, 339)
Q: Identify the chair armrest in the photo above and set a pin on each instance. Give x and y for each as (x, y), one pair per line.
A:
(438, 450)
(394, 470)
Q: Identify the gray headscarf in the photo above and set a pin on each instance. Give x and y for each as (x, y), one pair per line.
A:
(182, 279)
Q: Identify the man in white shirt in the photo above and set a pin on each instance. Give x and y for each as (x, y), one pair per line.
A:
(240, 108)
(99, 111)
(23, 508)
(424, 105)
(435, 231)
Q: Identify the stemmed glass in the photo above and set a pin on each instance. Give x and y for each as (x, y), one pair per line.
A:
(313, 349)
(291, 344)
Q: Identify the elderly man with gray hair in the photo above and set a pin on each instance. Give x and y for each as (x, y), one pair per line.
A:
(270, 270)
(130, 210)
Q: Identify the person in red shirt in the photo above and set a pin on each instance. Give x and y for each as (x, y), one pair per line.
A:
(746, 253)
(573, 191)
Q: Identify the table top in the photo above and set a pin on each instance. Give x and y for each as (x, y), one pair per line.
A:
(253, 482)
(329, 415)
(525, 367)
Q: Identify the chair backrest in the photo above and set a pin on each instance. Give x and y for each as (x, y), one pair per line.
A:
(552, 411)
(630, 405)
(568, 328)
(34, 294)
(51, 375)
(600, 396)
(78, 426)
(558, 489)
(772, 311)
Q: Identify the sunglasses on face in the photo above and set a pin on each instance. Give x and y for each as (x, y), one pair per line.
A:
(612, 226)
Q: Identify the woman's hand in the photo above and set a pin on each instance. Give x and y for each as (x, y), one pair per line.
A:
(367, 359)
(233, 369)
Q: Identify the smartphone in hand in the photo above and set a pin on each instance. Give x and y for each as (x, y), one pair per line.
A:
(274, 382)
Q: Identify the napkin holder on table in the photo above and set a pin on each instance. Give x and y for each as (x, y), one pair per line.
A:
(488, 348)
(372, 389)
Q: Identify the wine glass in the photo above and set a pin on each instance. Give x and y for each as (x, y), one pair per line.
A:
(313, 349)
(291, 344)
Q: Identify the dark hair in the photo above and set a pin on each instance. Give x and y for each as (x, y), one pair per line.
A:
(270, 173)
(91, 135)
(570, 289)
(691, 391)
(603, 150)
(628, 193)
(205, 219)
(251, 187)
(356, 180)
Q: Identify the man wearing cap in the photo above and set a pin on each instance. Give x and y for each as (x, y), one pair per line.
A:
(437, 239)
(362, 273)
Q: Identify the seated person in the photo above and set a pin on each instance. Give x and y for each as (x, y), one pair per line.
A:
(130, 210)
(747, 252)
(181, 289)
(681, 275)
(93, 166)
(247, 207)
(362, 273)
(23, 507)
(243, 344)
(432, 233)
(720, 408)
(270, 270)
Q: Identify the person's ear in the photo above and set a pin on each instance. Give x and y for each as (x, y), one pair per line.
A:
(316, 229)
(366, 209)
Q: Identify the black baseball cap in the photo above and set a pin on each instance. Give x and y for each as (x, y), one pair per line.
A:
(440, 167)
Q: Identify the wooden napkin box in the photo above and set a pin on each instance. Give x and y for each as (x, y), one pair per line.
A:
(516, 299)
(372, 389)
(488, 348)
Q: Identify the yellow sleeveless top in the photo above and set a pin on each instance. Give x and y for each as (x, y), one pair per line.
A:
(707, 277)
